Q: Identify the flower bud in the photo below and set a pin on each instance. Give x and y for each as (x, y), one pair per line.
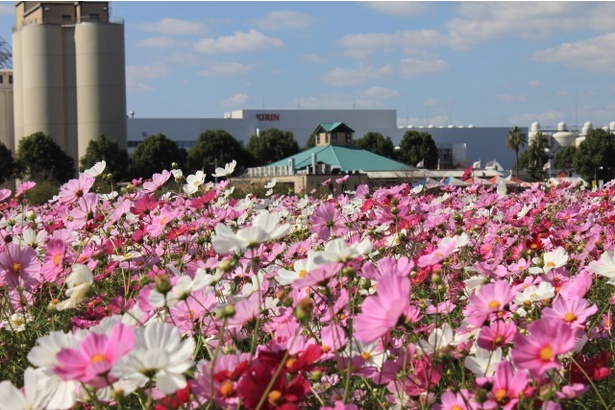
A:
(163, 284)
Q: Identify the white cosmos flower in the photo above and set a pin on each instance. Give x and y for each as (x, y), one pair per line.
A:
(605, 267)
(35, 396)
(228, 169)
(271, 184)
(265, 227)
(159, 354)
(97, 169)
(535, 293)
(484, 362)
(301, 267)
(439, 339)
(79, 283)
(338, 251)
(193, 182)
(551, 260)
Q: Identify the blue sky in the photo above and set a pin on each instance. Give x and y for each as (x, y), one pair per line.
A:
(441, 63)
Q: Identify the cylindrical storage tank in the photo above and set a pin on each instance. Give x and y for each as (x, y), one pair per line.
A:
(41, 100)
(100, 83)
(534, 129)
(579, 140)
(17, 92)
(564, 139)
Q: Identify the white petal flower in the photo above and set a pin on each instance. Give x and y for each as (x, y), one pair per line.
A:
(228, 169)
(159, 353)
(484, 362)
(79, 283)
(35, 396)
(338, 251)
(605, 267)
(97, 169)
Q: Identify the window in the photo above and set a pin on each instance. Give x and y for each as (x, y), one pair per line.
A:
(334, 139)
(10, 79)
(1, 79)
(348, 138)
(94, 16)
(326, 138)
(66, 17)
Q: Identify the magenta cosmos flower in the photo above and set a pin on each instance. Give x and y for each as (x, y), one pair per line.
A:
(538, 353)
(381, 313)
(19, 266)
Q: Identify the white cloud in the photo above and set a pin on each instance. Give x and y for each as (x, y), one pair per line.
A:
(546, 119)
(364, 44)
(136, 74)
(595, 54)
(482, 22)
(156, 42)
(414, 66)
(399, 8)
(381, 92)
(313, 58)
(536, 83)
(171, 26)
(343, 77)
(237, 43)
(235, 100)
(278, 20)
(510, 97)
(225, 68)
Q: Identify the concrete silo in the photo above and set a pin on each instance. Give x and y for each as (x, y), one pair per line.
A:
(69, 70)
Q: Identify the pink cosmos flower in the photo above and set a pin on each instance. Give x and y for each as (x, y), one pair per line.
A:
(96, 355)
(538, 352)
(327, 221)
(490, 299)
(4, 193)
(452, 401)
(508, 386)
(158, 180)
(19, 266)
(159, 222)
(381, 313)
(74, 189)
(54, 259)
(573, 311)
(497, 334)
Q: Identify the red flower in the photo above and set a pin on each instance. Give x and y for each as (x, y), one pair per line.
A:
(596, 367)
(176, 400)
(282, 395)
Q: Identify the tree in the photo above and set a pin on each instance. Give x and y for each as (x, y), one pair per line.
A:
(418, 146)
(155, 154)
(516, 139)
(375, 142)
(40, 158)
(271, 145)
(564, 158)
(7, 164)
(107, 149)
(216, 148)
(534, 158)
(310, 143)
(595, 157)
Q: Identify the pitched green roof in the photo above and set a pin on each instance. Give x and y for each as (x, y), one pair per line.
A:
(346, 158)
(331, 126)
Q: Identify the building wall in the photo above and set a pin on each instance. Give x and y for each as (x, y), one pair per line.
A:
(480, 143)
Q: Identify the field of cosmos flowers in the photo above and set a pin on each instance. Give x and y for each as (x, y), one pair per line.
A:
(180, 293)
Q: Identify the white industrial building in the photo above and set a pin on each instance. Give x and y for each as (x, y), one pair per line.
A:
(458, 146)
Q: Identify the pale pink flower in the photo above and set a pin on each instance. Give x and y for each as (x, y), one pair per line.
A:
(4, 193)
(54, 260)
(96, 355)
(491, 299)
(159, 222)
(508, 385)
(74, 189)
(573, 311)
(19, 266)
(381, 312)
(158, 180)
(538, 352)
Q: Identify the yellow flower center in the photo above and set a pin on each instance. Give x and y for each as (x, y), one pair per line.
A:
(550, 264)
(302, 273)
(325, 348)
(56, 259)
(494, 304)
(456, 407)
(226, 388)
(366, 355)
(500, 395)
(570, 317)
(274, 397)
(290, 362)
(546, 353)
(97, 358)
(17, 268)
